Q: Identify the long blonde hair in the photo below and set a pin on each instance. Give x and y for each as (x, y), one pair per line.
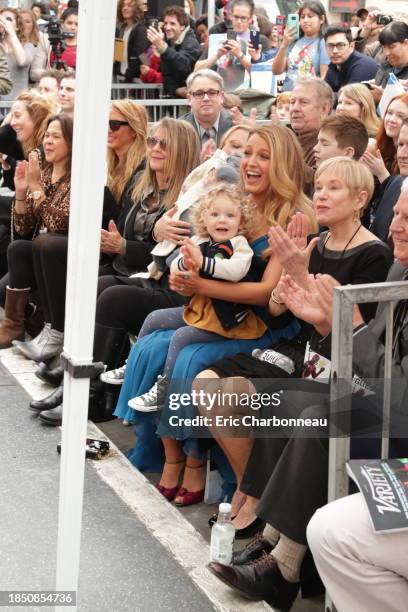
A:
(40, 110)
(183, 148)
(34, 37)
(285, 195)
(120, 171)
(362, 96)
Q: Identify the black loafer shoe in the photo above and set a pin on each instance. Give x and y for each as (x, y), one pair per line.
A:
(52, 417)
(259, 580)
(49, 402)
(51, 376)
(252, 551)
(250, 530)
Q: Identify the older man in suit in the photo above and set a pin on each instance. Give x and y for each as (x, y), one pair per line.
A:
(206, 94)
(269, 567)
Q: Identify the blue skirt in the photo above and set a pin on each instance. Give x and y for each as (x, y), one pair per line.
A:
(146, 361)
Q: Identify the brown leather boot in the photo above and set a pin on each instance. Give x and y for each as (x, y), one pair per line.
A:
(13, 325)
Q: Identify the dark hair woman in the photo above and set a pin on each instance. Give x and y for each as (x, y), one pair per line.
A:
(133, 32)
(307, 55)
(44, 57)
(41, 205)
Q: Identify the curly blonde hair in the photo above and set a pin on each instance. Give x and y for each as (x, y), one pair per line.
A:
(235, 194)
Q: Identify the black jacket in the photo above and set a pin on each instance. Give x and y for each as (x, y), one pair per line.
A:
(386, 69)
(358, 67)
(137, 43)
(177, 62)
(384, 211)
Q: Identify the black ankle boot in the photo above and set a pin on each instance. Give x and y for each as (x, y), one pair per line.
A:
(51, 376)
(111, 346)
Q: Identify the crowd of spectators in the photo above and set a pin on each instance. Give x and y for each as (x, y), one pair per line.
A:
(222, 240)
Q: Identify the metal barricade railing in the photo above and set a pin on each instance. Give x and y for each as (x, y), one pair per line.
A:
(157, 109)
(344, 299)
(136, 91)
(5, 106)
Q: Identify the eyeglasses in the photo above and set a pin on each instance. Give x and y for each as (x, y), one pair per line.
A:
(200, 93)
(240, 18)
(152, 142)
(340, 46)
(115, 125)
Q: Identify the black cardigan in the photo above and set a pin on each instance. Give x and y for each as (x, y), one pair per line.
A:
(137, 43)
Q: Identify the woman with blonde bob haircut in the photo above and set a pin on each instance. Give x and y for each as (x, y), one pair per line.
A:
(348, 252)
(356, 100)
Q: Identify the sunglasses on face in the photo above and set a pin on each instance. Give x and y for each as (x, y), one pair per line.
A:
(115, 125)
(152, 142)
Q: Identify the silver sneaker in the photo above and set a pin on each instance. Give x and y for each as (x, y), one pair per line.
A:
(114, 377)
(152, 400)
(32, 347)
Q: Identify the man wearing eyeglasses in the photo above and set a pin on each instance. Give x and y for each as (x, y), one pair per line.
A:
(241, 14)
(205, 90)
(346, 65)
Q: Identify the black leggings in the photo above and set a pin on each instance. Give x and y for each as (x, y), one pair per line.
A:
(125, 306)
(42, 264)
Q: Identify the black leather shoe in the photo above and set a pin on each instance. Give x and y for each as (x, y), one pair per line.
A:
(51, 376)
(259, 580)
(250, 530)
(252, 551)
(52, 417)
(49, 402)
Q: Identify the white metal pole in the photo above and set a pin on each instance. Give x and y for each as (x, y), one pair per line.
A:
(94, 72)
(211, 13)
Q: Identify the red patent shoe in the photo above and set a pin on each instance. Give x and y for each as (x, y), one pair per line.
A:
(168, 493)
(188, 498)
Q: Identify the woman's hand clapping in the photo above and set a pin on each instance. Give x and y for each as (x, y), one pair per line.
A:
(34, 172)
(313, 304)
(291, 247)
(21, 179)
(375, 164)
(111, 240)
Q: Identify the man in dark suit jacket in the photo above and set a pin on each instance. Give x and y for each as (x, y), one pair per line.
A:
(206, 94)
(297, 486)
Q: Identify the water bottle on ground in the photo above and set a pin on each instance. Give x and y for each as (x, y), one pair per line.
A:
(222, 536)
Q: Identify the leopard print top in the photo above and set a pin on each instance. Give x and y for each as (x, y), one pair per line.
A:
(52, 213)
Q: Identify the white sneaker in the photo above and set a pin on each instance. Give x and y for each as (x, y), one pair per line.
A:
(152, 400)
(114, 377)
